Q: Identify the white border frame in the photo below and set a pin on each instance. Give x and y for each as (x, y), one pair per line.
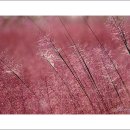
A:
(18, 8)
(64, 8)
(65, 122)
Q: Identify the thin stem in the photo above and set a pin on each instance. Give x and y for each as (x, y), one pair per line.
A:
(19, 78)
(75, 76)
(67, 86)
(86, 67)
(114, 86)
(106, 54)
(122, 34)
